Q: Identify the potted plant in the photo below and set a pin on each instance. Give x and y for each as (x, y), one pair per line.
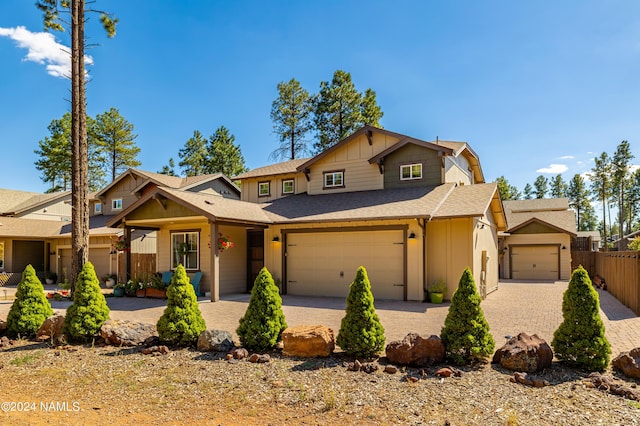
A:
(130, 288)
(109, 280)
(50, 277)
(436, 291)
(118, 290)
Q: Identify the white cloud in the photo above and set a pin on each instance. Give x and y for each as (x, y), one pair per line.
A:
(554, 169)
(44, 49)
(567, 157)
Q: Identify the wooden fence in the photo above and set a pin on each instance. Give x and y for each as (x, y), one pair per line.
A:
(142, 265)
(620, 270)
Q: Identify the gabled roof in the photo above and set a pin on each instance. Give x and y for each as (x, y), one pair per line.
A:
(285, 167)
(14, 227)
(551, 212)
(473, 201)
(213, 207)
(405, 141)
(34, 201)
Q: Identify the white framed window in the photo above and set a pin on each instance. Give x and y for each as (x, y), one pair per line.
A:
(185, 250)
(1, 255)
(334, 179)
(287, 186)
(411, 171)
(264, 189)
(116, 204)
(97, 207)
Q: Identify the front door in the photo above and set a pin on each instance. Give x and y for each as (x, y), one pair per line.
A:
(255, 255)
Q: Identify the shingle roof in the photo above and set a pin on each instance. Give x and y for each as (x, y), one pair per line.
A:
(14, 227)
(273, 169)
(467, 200)
(10, 198)
(551, 211)
(364, 205)
(39, 200)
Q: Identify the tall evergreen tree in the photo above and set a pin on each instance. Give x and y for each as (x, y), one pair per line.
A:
(79, 147)
(291, 113)
(620, 164)
(116, 141)
(527, 194)
(340, 110)
(578, 195)
(601, 187)
(541, 185)
(634, 200)
(558, 187)
(194, 155)
(169, 169)
(507, 192)
(224, 156)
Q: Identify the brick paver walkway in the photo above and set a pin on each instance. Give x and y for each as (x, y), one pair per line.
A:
(515, 307)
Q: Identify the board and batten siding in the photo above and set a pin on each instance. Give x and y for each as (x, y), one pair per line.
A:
(122, 189)
(250, 187)
(413, 154)
(457, 170)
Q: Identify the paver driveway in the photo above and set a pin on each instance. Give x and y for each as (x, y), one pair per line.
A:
(515, 307)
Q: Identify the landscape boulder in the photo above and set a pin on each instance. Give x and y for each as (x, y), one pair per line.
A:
(416, 351)
(51, 328)
(215, 341)
(629, 363)
(3, 327)
(126, 333)
(524, 353)
(308, 341)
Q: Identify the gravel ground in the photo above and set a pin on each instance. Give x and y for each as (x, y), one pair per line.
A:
(44, 384)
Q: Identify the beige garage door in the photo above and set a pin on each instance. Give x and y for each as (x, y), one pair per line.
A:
(540, 262)
(325, 263)
(100, 258)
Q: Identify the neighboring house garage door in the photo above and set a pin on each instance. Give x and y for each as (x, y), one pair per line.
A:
(538, 262)
(99, 257)
(325, 263)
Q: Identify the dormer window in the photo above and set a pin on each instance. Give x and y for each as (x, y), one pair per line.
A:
(97, 207)
(116, 204)
(334, 179)
(264, 189)
(287, 186)
(411, 171)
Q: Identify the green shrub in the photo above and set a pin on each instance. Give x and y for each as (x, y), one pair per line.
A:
(263, 323)
(580, 339)
(465, 334)
(182, 322)
(30, 308)
(361, 333)
(89, 309)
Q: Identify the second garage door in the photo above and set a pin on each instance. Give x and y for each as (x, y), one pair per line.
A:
(539, 262)
(325, 263)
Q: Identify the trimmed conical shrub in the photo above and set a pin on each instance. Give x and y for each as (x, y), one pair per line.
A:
(465, 334)
(30, 308)
(89, 309)
(361, 333)
(580, 339)
(182, 322)
(263, 323)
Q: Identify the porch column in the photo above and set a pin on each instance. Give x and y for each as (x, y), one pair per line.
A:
(214, 262)
(127, 254)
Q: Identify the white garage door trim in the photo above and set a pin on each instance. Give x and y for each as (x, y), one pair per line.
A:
(336, 254)
(535, 261)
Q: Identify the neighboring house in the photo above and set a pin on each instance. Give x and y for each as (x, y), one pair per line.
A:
(623, 243)
(586, 241)
(46, 244)
(537, 244)
(410, 211)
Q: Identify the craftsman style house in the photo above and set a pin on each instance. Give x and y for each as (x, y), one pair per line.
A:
(410, 211)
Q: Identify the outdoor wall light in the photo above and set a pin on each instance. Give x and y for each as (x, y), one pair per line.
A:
(412, 236)
(276, 239)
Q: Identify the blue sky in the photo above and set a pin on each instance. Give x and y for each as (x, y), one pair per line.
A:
(534, 87)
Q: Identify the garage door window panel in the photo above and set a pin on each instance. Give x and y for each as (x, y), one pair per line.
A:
(185, 250)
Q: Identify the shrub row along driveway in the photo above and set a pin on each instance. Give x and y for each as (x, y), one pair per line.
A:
(515, 307)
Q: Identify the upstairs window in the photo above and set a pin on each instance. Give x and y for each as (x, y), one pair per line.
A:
(116, 204)
(287, 186)
(97, 207)
(185, 250)
(334, 179)
(411, 171)
(264, 189)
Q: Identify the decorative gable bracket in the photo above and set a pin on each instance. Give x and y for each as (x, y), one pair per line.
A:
(307, 173)
(370, 136)
(381, 165)
(162, 202)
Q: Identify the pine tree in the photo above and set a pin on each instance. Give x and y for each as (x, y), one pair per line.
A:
(194, 155)
(601, 188)
(89, 309)
(291, 114)
(182, 322)
(507, 192)
(361, 333)
(542, 186)
(558, 187)
(169, 169)
(528, 192)
(580, 340)
(116, 141)
(465, 334)
(578, 195)
(224, 156)
(263, 322)
(30, 308)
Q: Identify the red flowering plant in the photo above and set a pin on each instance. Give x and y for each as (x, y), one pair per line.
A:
(224, 243)
(121, 243)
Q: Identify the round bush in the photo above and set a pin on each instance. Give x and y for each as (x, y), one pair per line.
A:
(361, 333)
(263, 323)
(465, 334)
(182, 322)
(89, 309)
(579, 340)
(30, 308)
